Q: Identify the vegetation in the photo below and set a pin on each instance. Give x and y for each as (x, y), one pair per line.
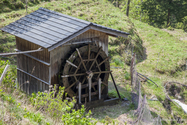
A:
(160, 53)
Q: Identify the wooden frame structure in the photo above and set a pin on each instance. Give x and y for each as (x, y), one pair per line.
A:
(56, 35)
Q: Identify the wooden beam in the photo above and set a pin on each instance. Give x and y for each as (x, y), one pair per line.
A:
(90, 86)
(32, 57)
(24, 52)
(109, 32)
(74, 43)
(86, 85)
(115, 86)
(99, 87)
(33, 76)
(79, 92)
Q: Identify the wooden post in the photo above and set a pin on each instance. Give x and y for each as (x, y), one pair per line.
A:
(99, 84)
(128, 6)
(115, 85)
(4, 73)
(79, 92)
(90, 86)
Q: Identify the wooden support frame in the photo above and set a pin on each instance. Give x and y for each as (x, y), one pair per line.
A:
(33, 76)
(21, 52)
(32, 57)
(115, 85)
(90, 86)
(80, 92)
(99, 88)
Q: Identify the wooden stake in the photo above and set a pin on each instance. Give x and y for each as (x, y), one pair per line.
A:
(79, 92)
(90, 86)
(99, 84)
(4, 73)
(115, 86)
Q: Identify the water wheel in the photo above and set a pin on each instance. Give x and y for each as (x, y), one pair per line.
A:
(87, 61)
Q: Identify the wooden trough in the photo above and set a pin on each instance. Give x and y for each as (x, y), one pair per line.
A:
(53, 48)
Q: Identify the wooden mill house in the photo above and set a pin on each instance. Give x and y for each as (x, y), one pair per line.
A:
(46, 39)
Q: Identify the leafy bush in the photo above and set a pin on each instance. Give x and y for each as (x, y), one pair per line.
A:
(59, 109)
(184, 23)
(77, 117)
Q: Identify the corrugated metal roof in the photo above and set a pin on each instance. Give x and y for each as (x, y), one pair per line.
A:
(51, 29)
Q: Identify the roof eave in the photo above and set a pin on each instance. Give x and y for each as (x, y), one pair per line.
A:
(109, 31)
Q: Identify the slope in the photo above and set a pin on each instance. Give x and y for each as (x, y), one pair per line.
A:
(165, 58)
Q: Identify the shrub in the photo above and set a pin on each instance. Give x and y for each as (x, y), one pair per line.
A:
(78, 117)
(59, 109)
(185, 23)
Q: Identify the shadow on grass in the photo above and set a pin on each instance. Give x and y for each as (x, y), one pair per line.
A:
(121, 109)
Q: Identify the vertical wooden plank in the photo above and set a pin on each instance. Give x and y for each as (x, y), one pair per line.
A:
(18, 78)
(30, 82)
(106, 45)
(43, 87)
(90, 86)
(99, 88)
(21, 82)
(46, 87)
(79, 92)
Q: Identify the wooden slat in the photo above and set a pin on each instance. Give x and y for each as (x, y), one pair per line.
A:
(32, 76)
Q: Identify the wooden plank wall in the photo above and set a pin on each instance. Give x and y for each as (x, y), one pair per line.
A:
(60, 54)
(27, 83)
(100, 38)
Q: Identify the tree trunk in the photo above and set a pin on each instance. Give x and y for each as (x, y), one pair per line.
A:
(128, 5)
(168, 17)
(169, 12)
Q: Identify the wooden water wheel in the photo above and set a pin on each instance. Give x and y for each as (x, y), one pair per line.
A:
(86, 66)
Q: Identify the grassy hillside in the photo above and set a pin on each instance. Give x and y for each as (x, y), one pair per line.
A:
(163, 50)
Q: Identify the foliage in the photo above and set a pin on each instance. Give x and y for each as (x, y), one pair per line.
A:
(14, 109)
(77, 117)
(160, 12)
(184, 23)
(9, 5)
(57, 108)
(37, 117)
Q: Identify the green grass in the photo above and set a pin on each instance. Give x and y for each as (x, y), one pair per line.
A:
(15, 112)
(157, 43)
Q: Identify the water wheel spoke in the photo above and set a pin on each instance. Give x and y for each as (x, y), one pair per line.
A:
(103, 61)
(77, 68)
(94, 88)
(102, 72)
(70, 86)
(98, 76)
(95, 58)
(81, 74)
(81, 59)
(86, 65)
(98, 66)
(71, 63)
(83, 80)
(105, 84)
(75, 78)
